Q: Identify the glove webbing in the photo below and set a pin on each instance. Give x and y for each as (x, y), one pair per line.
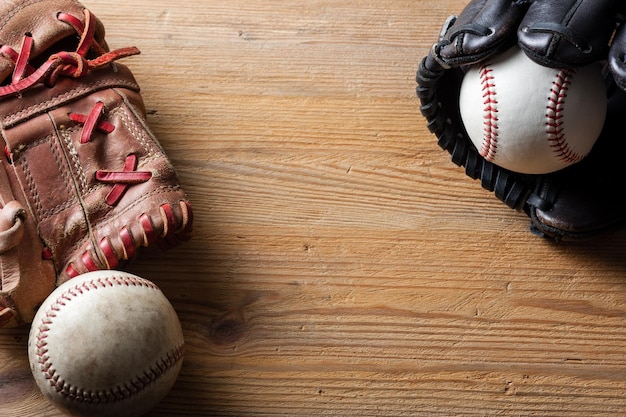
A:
(517, 191)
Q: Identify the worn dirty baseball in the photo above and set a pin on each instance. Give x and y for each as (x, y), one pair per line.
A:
(106, 343)
(529, 118)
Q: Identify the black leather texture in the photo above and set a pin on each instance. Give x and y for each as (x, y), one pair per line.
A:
(583, 200)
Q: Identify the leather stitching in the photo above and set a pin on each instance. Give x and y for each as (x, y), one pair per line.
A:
(15, 118)
(125, 389)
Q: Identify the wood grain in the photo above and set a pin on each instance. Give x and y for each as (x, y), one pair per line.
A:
(341, 265)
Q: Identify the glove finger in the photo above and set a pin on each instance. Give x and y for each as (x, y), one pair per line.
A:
(585, 200)
(568, 33)
(481, 29)
(617, 58)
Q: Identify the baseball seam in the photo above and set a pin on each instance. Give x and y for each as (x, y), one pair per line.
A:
(490, 117)
(554, 118)
(125, 389)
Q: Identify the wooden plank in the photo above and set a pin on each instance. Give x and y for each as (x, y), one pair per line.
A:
(341, 265)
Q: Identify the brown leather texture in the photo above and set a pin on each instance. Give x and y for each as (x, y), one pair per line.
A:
(84, 183)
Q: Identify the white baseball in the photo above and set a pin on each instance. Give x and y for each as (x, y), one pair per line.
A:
(106, 343)
(529, 118)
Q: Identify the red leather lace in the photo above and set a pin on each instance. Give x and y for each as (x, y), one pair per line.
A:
(76, 65)
(121, 180)
(92, 121)
(61, 64)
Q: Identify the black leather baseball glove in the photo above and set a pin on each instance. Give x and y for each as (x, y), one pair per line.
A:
(582, 200)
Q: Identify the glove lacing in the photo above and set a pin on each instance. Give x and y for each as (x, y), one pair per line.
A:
(77, 64)
(67, 64)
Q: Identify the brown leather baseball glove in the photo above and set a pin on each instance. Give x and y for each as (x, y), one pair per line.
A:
(83, 181)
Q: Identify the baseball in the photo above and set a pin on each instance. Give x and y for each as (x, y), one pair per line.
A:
(529, 118)
(106, 343)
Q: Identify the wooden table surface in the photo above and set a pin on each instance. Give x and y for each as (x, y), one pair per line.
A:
(341, 265)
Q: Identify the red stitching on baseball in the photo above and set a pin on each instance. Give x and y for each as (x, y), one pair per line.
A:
(114, 394)
(554, 116)
(490, 121)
